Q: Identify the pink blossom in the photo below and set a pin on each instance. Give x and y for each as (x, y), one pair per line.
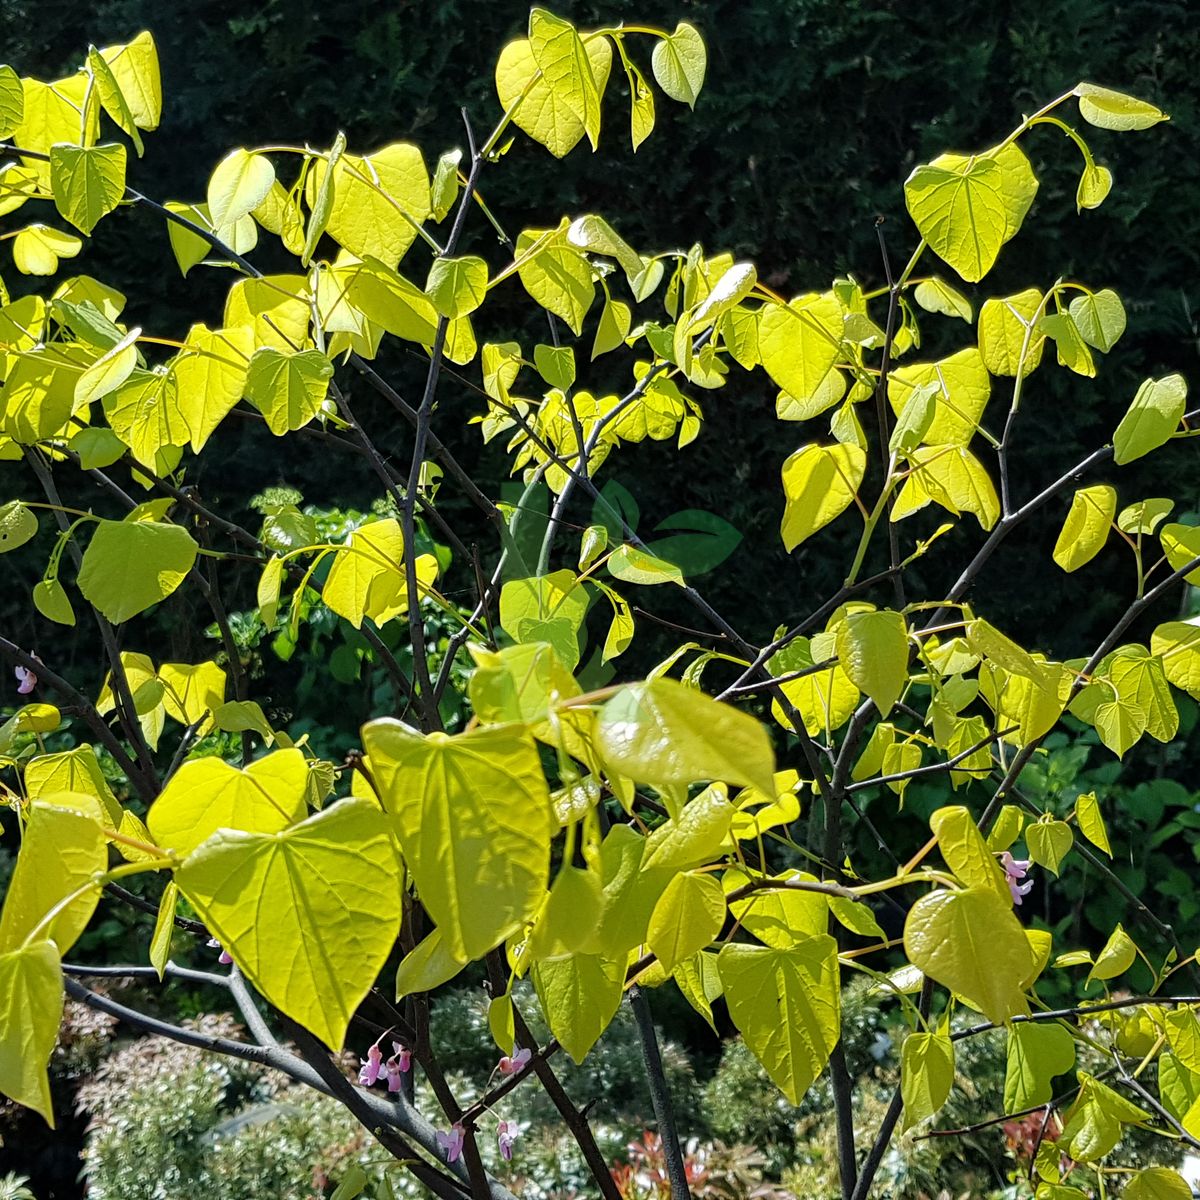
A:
(224, 958)
(368, 1073)
(506, 1134)
(26, 680)
(1015, 869)
(398, 1065)
(452, 1142)
(510, 1065)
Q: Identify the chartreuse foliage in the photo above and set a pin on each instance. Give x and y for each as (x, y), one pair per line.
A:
(586, 834)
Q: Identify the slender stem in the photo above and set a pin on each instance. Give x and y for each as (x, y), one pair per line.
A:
(881, 414)
(144, 777)
(887, 1126)
(660, 1097)
(423, 682)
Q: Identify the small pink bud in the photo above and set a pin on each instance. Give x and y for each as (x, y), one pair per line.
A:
(224, 958)
(510, 1065)
(26, 680)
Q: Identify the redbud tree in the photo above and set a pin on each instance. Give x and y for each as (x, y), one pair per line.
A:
(690, 829)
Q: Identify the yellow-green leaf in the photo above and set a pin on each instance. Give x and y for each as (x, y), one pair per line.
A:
(208, 794)
(210, 377)
(965, 851)
(31, 1005)
(1100, 318)
(474, 820)
(109, 371)
(1091, 822)
(1145, 516)
(954, 478)
(51, 600)
(1152, 418)
(1157, 1183)
(970, 942)
(873, 650)
(1092, 1125)
(679, 62)
(76, 771)
(379, 201)
(130, 565)
(1049, 842)
(1010, 338)
(798, 344)
(541, 111)
(632, 565)
(557, 276)
(1036, 1053)
(17, 525)
(134, 67)
(37, 249)
(613, 327)
(192, 692)
(288, 388)
(1072, 350)
(1094, 185)
(700, 984)
(457, 286)
(1114, 110)
(61, 853)
(662, 732)
(1085, 530)
(786, 1005)
(958, 205)
(332, 887)
(819, 484)
(1178, 644)
(426, 966)
(936, 295)
(961, 386)
(688, 916)
(566, 68)
(501, 1023)
(164, 927)
(144, 413)
(1116, 958)
(926, 1075)
(443, 191)
(579, 995)
(367, 578)
(1181, 545)
(12, 101)
(779, 917)
(238, 186)
(87, 182)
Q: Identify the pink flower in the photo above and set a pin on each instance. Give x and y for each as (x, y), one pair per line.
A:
(511, 1065)
(368, 1073)
(452, 1142)
(506, 1134)
(398, 1065)
(1015, 869)
(224, 958)
(26, 680)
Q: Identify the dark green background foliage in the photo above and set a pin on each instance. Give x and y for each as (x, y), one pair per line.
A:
(813, 114)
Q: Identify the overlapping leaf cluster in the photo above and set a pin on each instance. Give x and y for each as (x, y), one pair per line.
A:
(590, 835)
